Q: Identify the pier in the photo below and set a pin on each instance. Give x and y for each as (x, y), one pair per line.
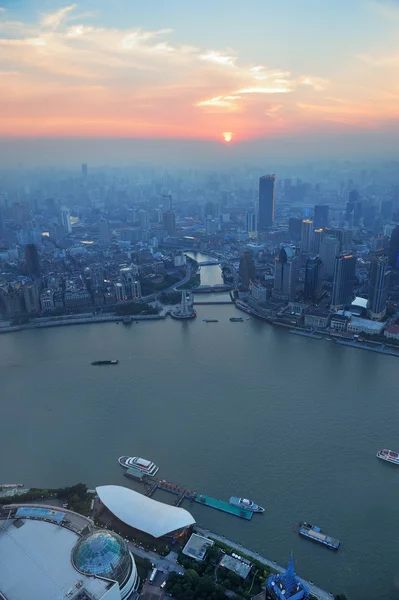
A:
(182, 493)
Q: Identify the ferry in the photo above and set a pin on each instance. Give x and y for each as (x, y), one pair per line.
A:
(105, 362)
(315, 533)
(389, 456)
(245, 503)
(210, 320)
(236, 319)
(134, 462)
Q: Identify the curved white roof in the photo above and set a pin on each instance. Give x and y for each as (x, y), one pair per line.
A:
(138, 511)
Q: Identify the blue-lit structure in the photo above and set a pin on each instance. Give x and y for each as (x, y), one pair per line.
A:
(286, 586)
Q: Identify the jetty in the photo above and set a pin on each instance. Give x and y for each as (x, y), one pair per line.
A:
(308, 334)
(377, 347)
(182, 493)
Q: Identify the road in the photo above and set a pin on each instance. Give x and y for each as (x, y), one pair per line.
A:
(166, 564)
(314, 590)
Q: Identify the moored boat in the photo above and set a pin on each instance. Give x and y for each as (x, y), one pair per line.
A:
(314, 533)
(245, 503)
(105, 362)
(141, 464)
(236, 319)
(389, 456)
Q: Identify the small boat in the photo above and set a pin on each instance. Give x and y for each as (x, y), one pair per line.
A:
(236, 319)
(316, 535)
(389, 456)
(210, 320)
(127, 321)
(141, 464)
(245, 503)
(105, 362)
(328, 339)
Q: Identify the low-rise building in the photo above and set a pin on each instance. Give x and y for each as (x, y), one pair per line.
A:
(359, 325)
(317, 319)
(392, 332)
(47, 300)
(339, 322)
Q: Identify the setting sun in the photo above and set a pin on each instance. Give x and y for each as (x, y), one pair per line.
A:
(227, 135)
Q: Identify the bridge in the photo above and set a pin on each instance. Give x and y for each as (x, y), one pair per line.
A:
(212, 261)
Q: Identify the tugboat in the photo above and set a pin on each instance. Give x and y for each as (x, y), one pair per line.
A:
(105, 362)
(245, 503)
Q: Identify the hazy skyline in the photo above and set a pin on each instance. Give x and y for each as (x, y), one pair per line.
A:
(258, 69)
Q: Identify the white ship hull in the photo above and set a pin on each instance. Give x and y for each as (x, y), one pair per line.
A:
(141, 464)
(388, 456)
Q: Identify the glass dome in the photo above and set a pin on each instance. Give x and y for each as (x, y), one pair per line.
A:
(105, 554)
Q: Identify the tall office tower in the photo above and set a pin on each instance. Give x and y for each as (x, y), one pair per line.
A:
(136, 289)
(285, 274)
(32, 298)
(167, 201)
(266, 201)
(306, 236)
(66, 219)
(344, 280)
(104, 232)
(286, 586)
(169, 222)
(158, 215)
(386, 210)
(250, 222)
(350, 207)
(211, 226)
(378, 287)
(320, 218)
(32, 261)
(357, 213)
(344, 237)
(84, 170)
(329, 248)
(295, 229)
(247, 269)
(353, 197)
(394, 248)
(144, 220)
(313, 279)
(317, 236)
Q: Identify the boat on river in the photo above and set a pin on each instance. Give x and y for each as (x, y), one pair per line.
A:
(236, 319)
(314, 533)
(388, 456)
(146, 467)
(105, 362)
(245, 503)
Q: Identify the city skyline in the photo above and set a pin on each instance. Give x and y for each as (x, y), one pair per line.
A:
(84, 70)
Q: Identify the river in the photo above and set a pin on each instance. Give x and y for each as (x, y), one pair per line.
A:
(225, 409)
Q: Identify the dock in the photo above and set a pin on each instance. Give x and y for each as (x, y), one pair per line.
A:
(182, 493)
(380, 348)
(308, 334)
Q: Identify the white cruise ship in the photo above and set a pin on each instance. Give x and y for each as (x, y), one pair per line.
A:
(389, 456)
(245, 503)
(141, 464)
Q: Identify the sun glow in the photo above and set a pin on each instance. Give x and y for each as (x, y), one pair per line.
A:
(227, 136)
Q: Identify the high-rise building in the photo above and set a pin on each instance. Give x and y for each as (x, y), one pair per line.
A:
(378, 287)
(344, 237)
(250, 222)
(144, 220)
(307, 236)
(344, 280)
(320, 218)
(386, 210)
(394, 248)
(285, 275)
(66, 219)
(169, 222)
(266, 201)
(247, 269)
(211, 226)
(32, 261)
(167, 201)
(136, 289)
(329, 248)
(32, 298)
(286, 586)
(313, 279)
(104, 232)
(295, 229)
(317, 236)
(84, 170)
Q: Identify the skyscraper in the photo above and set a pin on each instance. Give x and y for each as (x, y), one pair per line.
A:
(306, 236)
(169, 222)
(320, 218)
(266, 201)
(84, 170)
(313, 279)
(286, 586)
(378, 287)
(285, 274)
(250, 222)
(329, 248)
(343, 282)
(66, 219)
(247, 269)
(394, 248)
(32, 261)
(294, 229)
(104, 232)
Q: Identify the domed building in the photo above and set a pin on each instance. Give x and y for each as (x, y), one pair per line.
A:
(43, 554)
(106, 554)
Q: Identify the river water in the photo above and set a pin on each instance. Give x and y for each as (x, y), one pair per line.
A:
(225, 409)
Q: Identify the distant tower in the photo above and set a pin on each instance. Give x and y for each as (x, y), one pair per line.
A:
(266, 201)
(294, 229)
(167, 201)
(185, 311)
(313, 279)
(378, 287)
(32, 261)
(66, 219)
(105, 232)
(286, 272)
(84, 170)
(343, 282)
(307, 236)
(329, 248)
(394, 248)
(320, 218)
(169, 222)
(250, 222)
(247, 269)
(286, 586)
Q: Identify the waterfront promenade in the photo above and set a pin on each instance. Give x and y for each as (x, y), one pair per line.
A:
(314, 589)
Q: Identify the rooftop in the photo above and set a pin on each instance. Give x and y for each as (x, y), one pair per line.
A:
(197, 546)
(236, 565)
(142, 513)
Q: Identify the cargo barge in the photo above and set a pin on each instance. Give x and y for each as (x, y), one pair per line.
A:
(316, 535)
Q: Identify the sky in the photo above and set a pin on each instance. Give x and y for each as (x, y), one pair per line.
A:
(184, 69)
